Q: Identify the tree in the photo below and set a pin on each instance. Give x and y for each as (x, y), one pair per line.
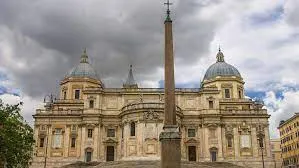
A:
(16, 137)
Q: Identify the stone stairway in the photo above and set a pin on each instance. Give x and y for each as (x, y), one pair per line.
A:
(150, 164)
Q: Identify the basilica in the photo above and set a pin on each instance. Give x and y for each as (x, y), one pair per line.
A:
(90, 122)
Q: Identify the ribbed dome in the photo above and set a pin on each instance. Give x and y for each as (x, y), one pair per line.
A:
(84, 69)
(221, 68)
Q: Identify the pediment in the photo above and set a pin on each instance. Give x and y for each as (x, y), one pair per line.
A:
(191, 140)
(110, 140)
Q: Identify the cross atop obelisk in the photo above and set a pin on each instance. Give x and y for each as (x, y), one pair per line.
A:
(170, 137)
(168, 10)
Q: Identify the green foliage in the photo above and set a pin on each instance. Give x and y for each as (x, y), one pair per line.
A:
(16, 137)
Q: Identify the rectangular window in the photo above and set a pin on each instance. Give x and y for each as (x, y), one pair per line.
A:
(110, 132)
(240, 94)
(211, 104)
(191, 132)
(91, 103)
(73, 143)
(41, 142)
(64, 95)
(132, 129)
(89, 133)
(77, 94)
(227, 93)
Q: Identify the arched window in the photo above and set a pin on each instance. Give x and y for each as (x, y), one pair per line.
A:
(64, 95)
(91, 103)
(229, 142)
(132, 128)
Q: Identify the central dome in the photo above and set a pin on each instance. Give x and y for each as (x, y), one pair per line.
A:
(84, 69)
(221, 68)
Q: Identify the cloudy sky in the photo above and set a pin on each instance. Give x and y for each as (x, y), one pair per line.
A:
(41, 40)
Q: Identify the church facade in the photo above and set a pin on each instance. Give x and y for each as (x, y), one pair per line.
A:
(90, 122)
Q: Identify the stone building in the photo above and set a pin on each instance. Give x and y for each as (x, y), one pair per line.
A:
(276, 152)
(289, 139)
(90, 122)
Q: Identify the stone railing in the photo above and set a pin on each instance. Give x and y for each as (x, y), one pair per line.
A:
(58, 112)
(68, 101)
(149, 90)
(253, 111)
(137, 106)
(235, 100)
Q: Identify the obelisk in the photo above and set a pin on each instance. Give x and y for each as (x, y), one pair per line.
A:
(170, 137)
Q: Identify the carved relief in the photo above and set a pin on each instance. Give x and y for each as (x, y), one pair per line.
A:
(229, 132)
(161, 98)
(150, 149)
(244, 128)
(112, 102)
(151, 115)
(226, 85)
(190, 103)
(132, 150)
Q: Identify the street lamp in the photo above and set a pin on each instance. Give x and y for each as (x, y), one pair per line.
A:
(261, 140)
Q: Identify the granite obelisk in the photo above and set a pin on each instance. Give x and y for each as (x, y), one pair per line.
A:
(170, 137)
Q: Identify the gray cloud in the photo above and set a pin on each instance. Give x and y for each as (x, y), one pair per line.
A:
(48, 36)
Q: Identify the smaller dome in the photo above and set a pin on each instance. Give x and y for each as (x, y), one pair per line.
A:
(221, 68)
(84, 69)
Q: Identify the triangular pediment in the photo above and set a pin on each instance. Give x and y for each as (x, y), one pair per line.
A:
(110, 140)
(191, 140)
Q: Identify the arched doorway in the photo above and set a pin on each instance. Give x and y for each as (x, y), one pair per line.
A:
(213, 153)
(88, 154)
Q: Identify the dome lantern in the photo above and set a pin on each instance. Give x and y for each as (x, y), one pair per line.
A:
(221, 68)
(83, 69)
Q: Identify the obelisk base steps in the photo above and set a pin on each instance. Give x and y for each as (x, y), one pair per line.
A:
(170, 139)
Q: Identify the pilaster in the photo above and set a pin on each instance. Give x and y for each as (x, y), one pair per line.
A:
(49, 141)
(255, 145)
(219, 138)
(83, 138)
(66, 138)
(95, 143)
(236, 143)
